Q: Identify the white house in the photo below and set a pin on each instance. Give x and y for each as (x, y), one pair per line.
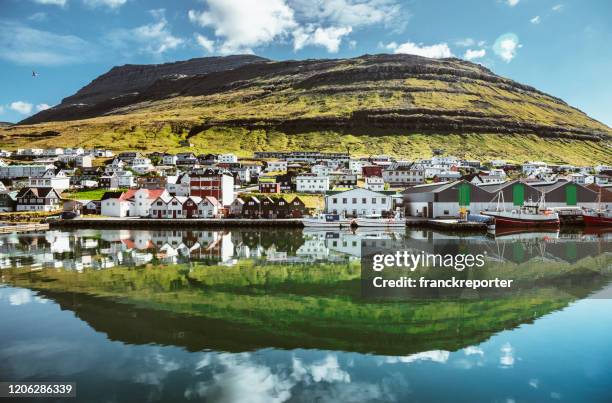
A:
(141, 165)
(59, 181)
(375, 183)
(116, 165)
(132, 203)
(169, 159)
(532, 167)
(209, 207)
(311, 183)
(227, 158)
(358, 202)
(178, 185)
(321, 170)
(276, 166)
(404, 173)
(83, 161)
(356, 166)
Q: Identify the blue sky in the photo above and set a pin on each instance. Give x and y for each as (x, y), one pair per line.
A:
(563, 47)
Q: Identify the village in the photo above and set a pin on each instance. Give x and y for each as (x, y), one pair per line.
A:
(74, 182)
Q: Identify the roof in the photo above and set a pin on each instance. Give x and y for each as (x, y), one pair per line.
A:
(338, 191)
(38, 192)
(606, 194)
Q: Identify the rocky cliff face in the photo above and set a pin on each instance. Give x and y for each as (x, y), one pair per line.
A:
(123, 85)
(371, 94)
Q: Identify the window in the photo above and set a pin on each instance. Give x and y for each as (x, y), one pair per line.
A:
(445, 212)
(344, 200)
(354, 200)
(363, 201)
(373, 200)
(383, 200)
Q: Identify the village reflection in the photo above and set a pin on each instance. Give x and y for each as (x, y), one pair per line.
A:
(100, 249)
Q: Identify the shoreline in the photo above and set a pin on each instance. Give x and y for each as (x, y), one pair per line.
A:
(450, 224)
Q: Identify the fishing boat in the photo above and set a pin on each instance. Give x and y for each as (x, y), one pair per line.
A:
(327, 220)
(598, 217)
(397, 221)
(530, 214)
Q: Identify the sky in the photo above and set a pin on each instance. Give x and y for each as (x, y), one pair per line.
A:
(562, 47)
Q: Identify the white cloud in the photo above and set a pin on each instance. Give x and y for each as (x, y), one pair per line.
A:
(155, 38)
(472, 54)
(329, 38)
(40, 16)
(327, 370)
(535, 20)
(506, 46)
(104, 3)
(60, 3)
(512, 3)
(24, 108)
(42, 107)
(1, 109)
(206, 43)
(436, 51)
(354, 13)
(465, 42)
(246, 24)
(24, 45)
(557, 7)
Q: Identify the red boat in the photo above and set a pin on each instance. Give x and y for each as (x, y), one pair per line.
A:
(599, 219)
(526, 216)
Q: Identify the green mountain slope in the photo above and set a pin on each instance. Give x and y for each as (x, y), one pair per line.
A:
(399, 104)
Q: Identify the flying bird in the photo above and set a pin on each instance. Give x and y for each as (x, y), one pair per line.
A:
(34, 74)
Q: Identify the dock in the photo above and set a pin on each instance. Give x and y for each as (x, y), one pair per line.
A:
(24, 227)
(169, 223)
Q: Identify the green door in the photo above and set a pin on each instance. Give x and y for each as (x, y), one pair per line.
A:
(464, 194)
(571, 195)
(518, 194)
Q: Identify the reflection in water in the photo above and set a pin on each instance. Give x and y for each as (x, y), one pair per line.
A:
(277, 316)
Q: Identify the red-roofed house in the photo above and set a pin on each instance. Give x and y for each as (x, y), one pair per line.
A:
(132, 203)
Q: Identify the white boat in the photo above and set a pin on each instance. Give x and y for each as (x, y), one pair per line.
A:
(378, 221)
(528, 215)
(327, 220)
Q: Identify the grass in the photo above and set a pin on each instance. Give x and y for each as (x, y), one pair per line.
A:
(90, 194)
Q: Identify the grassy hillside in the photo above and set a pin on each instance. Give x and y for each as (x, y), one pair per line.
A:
(401, 105)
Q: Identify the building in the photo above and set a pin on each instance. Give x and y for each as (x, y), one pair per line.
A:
(311, 183)
(227, 158)
(276, 166)
(23, 171)
(213, 182)
(372, 170)
(321, 170)
(209, 207)
(251, 208)
(445, 199)
(343, 179)
(83, 161)
(49, 178)
(8, 201)
(567, 194)
(513, 193)
(235, 209)
(178, 185)
(403, 173)
(375, 183)
(269, 185)
(359, 202)
(151, 182)
(132, 203)
(38, 199)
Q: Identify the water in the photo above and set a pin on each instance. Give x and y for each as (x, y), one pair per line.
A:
(263, 316)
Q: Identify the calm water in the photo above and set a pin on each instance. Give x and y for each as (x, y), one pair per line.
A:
(261, 316)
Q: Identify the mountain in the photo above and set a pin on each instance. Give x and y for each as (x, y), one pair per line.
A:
(400, 104)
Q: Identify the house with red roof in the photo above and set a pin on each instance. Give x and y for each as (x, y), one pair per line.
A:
(132, 203)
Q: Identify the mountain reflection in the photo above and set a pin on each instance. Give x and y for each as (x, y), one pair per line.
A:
(247, 290)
